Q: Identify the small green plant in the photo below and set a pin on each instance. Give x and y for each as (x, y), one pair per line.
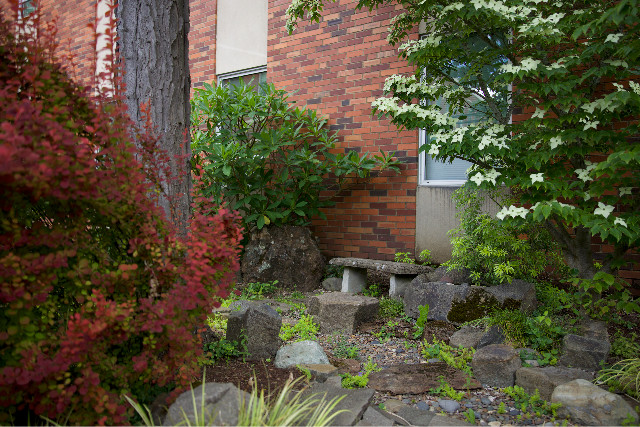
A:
(360, 380)
(502, 408)
(624, 375)
(405, 257)
(344, 350)
(296, 295)
(373, 290)
(387, 331)
(533, 403)
(305, 371)
(459, 358)
(304, 329)
(421, 322)
(224, 349)
(445, 389)
(258, 290)
(470, 415)
(390, 308)
(624, 347)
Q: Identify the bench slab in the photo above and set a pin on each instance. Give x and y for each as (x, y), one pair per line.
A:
(355, 273)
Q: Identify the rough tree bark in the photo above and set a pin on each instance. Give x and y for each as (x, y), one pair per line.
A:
(155, 48)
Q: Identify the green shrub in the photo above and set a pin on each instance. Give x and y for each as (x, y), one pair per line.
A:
(445, 390)
(459, 358)
(344, 350)
(424, 257)
(224, 349)
(625, 347)
(266, 159)
(495, 252)
(359, 380)
(421, 321)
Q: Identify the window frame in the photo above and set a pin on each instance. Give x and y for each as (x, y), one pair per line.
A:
(220, 78)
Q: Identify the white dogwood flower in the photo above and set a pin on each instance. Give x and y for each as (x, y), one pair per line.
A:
(620, 221)
(537, 177)
(604, 210)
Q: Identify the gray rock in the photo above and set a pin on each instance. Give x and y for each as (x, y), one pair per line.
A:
(457, 276)
(419, 378)
(594, 329)
(301, 353)
(467, 337)
(495, 365)
(332, 284)
(354, 403)
(493, 335)
(260, 325)
(546, 379)
(584, 352)
(373, 417)
(288, 254)
(449, 406)
(589, 404)
(338, 311)
(462, 303)
(220, 404)
(415, 416)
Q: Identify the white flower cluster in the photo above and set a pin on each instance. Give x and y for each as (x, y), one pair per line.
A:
(635, 87)
(490, 176)
(620, 221)
(538, 114)
(537, 177)
(391, 106)
(541, 25)
(555, 142)
(601, 104)
(490, 137)
(613, 38)
(512, 211)
(416, 45)
(583, 174)
(589, 124)
(527, 64)
(625, 190)
(434, 150)
(510, 12)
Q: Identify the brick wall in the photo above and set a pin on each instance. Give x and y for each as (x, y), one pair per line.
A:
(202, 41)
(338, 67)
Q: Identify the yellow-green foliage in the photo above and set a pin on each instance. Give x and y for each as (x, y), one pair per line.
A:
(304, 329)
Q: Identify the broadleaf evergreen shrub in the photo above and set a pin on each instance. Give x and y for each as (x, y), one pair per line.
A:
(99, 296)
(268, 159)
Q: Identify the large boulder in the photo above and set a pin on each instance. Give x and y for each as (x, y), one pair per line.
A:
(339, 311)
(496, 365)
(588, 404)
(462, 303)
(216, 403)
(258, 325)
(546, 379)
(301, 353)
(288, 254)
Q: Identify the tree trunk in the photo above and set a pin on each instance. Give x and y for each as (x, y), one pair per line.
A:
(154, 46)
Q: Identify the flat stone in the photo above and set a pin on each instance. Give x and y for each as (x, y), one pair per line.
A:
(390, 267)
(493, 335)
(449, 406)
(320, 372)
(301, 353)
(415, 416)
(332, 284)
(355, 402)
(546, 379)
(373, 417)
(588, 404)
(419, 378)
(467, 337)
(584, 352)
(495, 365)
(338, 311)
(440, 420)
(219, 402)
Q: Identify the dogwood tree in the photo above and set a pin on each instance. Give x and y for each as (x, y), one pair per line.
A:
(555, 88)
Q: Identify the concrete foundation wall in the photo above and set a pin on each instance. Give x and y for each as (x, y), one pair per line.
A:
(435, 216)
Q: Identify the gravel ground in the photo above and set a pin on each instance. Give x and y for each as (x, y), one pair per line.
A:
(484, 403)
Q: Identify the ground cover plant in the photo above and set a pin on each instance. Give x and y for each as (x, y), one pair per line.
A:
(99, 294)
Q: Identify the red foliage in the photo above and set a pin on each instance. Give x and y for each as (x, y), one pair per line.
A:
(99, 296)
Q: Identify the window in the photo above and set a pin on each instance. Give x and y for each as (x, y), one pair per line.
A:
(27, 7)
(438, 173)
(251, 76)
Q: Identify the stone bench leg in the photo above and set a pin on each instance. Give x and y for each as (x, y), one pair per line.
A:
(398, 283)
(354, 279)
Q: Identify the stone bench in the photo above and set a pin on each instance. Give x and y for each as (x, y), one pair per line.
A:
(355, 273)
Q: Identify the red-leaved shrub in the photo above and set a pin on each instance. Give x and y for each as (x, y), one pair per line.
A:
(99, 297)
